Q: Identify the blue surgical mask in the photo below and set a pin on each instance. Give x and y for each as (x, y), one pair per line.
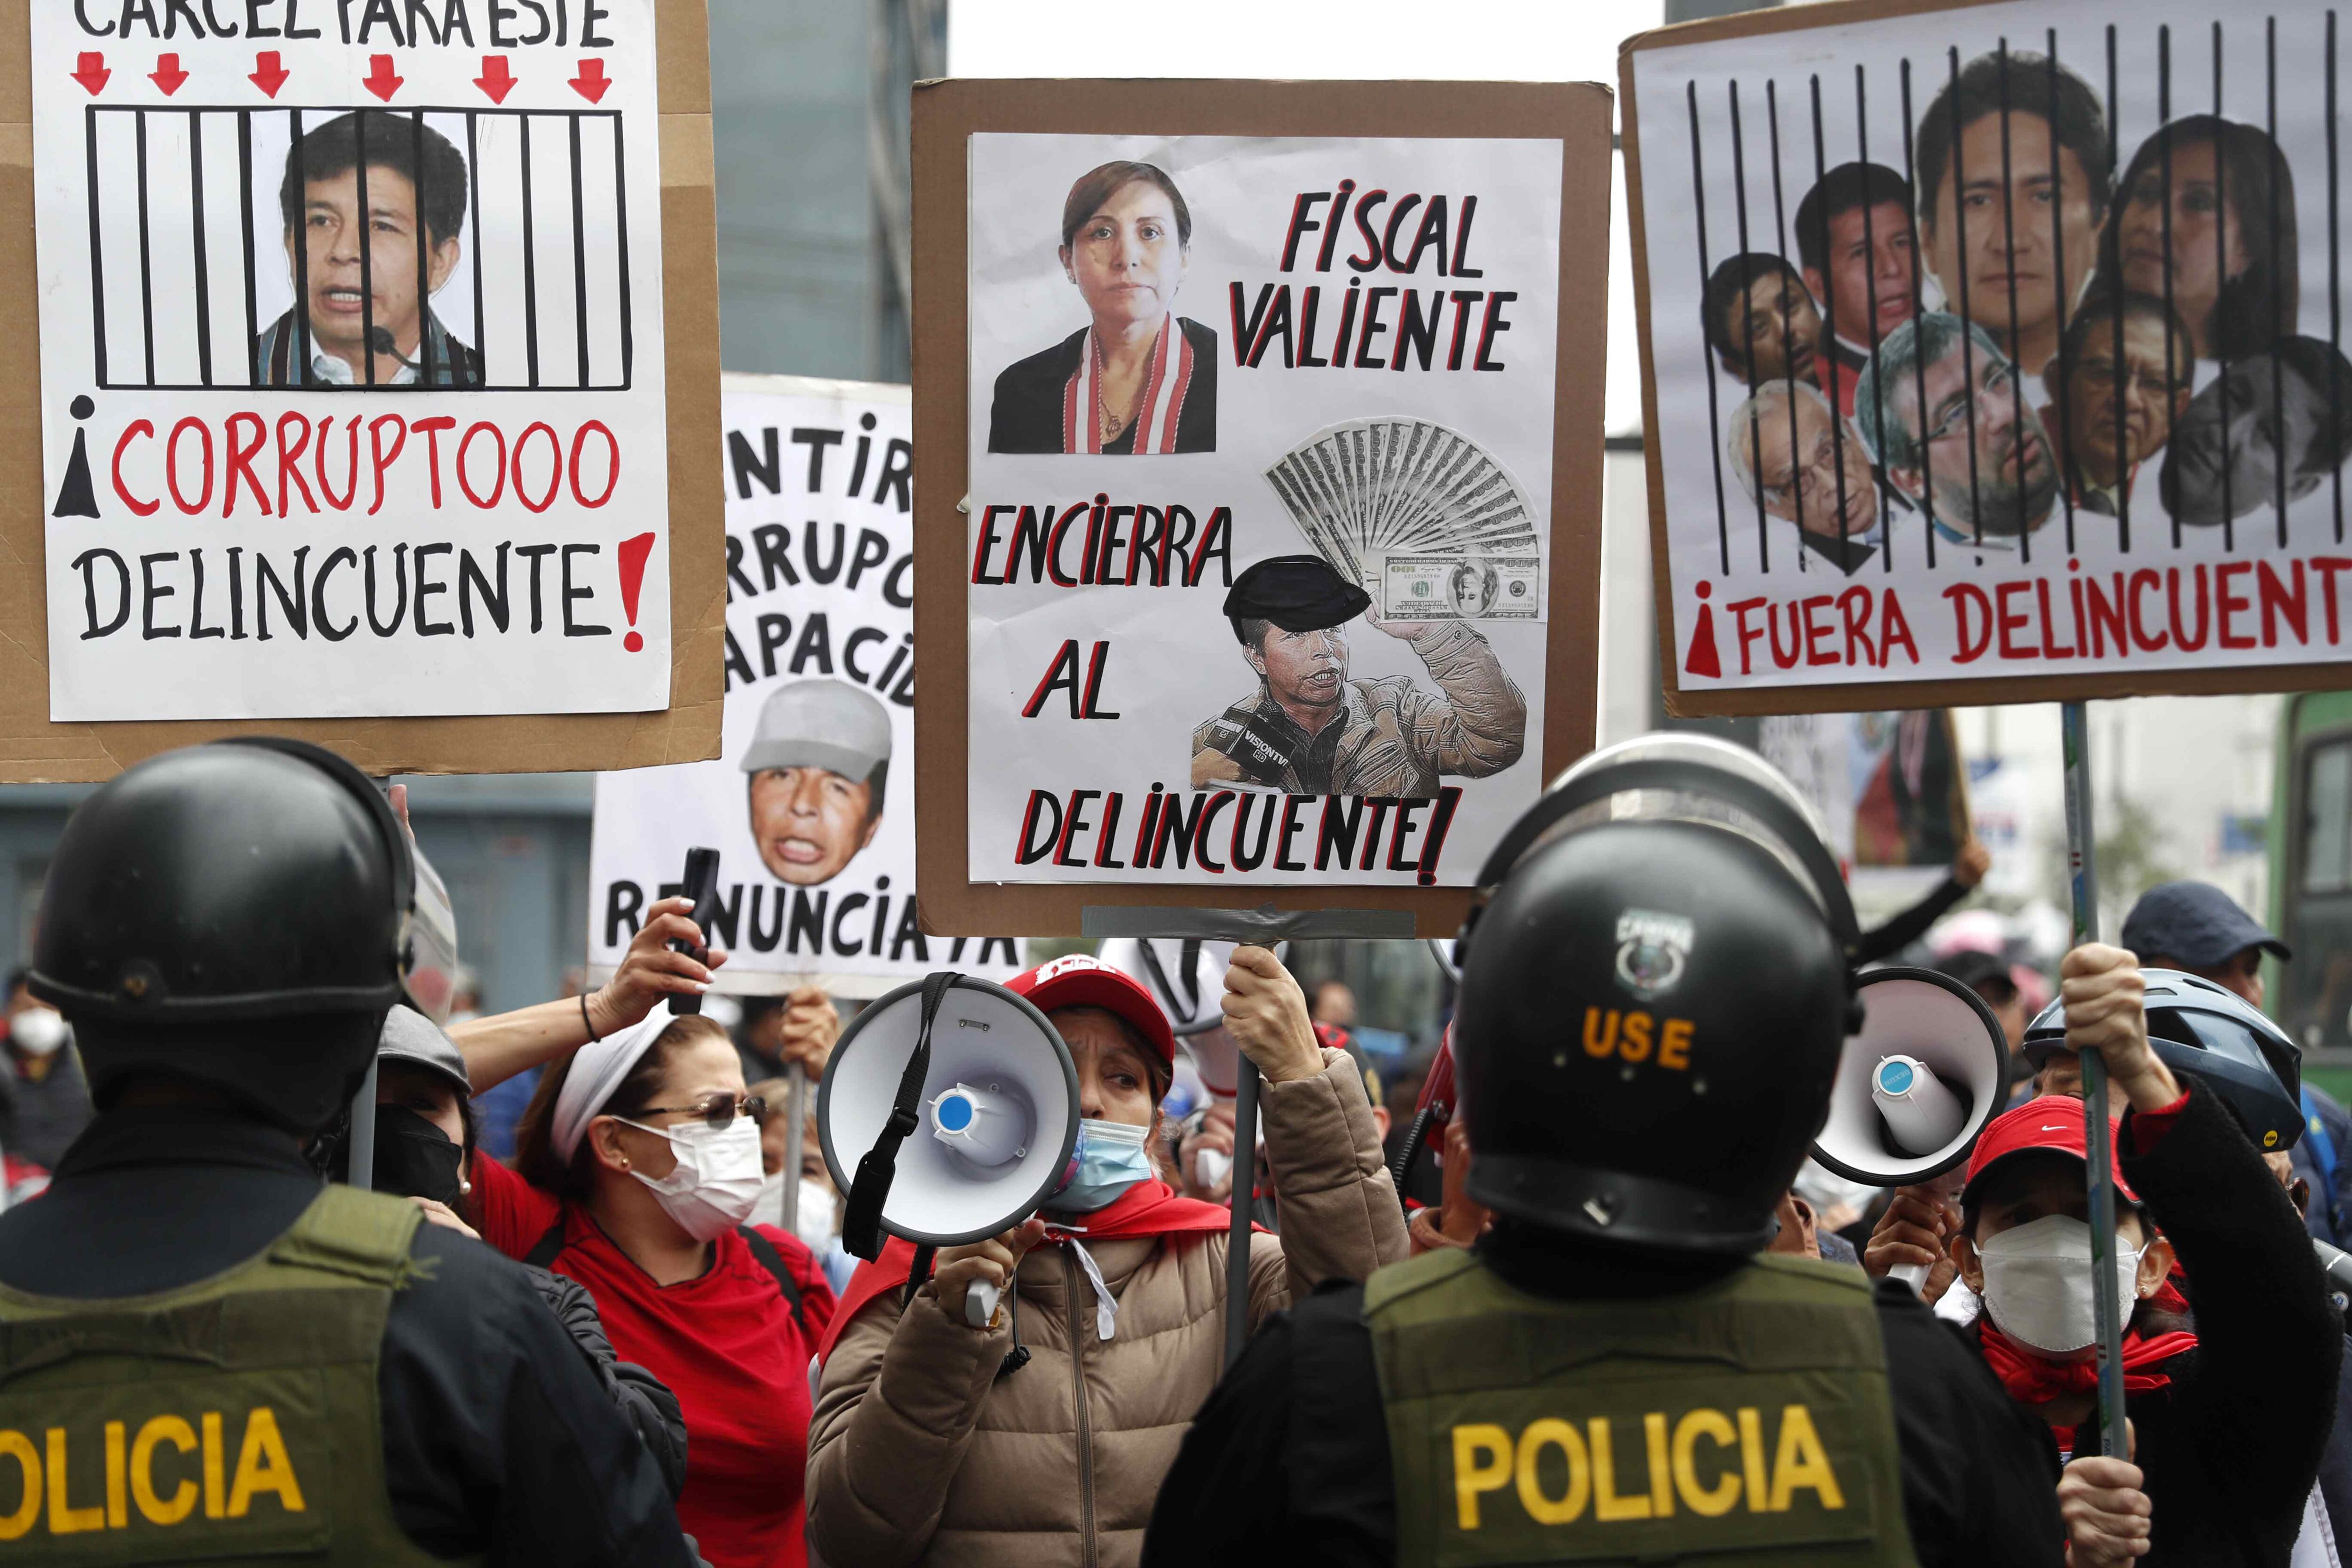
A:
(1108, 1159)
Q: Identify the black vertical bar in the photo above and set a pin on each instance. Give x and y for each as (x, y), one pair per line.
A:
(2114, 261)
(424, 266)
(146, 277)
(579, 252)
(97, 250)
(529, 267)
(1748, 319)
(367, 249)
(473, 204)
(298, 370)
(1870, 294)
(2009, 270)
(1958, 183)
(2058, 269)
(2221, 271)
(1918, 319)
(1698, 206)
(245, 206)
(1829, 329)
(204, 274)
(2278, 390)
(629, 337)
(1780, 247)
(2335, 290)
(2164, 160)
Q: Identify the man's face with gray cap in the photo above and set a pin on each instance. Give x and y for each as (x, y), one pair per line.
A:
(815, 769)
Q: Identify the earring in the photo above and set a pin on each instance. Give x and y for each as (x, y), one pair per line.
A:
(625, 1161)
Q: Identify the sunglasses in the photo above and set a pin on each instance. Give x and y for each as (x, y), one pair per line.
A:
(717, 1111)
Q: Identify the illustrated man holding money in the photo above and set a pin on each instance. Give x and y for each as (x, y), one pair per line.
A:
(1310, 730)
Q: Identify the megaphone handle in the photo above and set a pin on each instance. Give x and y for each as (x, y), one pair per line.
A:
(1237, 1244)
(796, 1107)
(981, 1299)
(1913, 1274)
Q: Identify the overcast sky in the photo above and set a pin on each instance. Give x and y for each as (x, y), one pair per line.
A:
(1521, 40)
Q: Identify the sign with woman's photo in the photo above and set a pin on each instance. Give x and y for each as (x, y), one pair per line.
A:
(352, 393)
(1272, 510)
(811, 801)
(1993, 343)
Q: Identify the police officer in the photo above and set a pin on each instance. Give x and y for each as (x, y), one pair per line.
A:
(1654, 996)
(204, 1353)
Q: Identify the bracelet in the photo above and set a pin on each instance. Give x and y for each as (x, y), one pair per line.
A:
(593, 1035)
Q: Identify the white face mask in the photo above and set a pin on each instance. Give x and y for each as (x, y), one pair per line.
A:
(814, 1223)
(39, 1032)
(717, 1178)
(2037, 1283)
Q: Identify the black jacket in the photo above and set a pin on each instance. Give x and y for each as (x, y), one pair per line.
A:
(639, 1396)
(1026, 415)
(496, 1441)
(1288, 1461)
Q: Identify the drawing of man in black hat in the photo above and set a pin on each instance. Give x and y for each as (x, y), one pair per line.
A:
(1310, 730)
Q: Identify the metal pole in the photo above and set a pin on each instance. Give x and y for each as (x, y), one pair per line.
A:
(1237, 1244)
(2106, 1304)
(795, 1106)
(363, 1162)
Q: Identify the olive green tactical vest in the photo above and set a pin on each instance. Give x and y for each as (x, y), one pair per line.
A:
(1747, 1422)
(235, 1420)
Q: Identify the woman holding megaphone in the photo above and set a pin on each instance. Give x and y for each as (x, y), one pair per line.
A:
(935, 1440)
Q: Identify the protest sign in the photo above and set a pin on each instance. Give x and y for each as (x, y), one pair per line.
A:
(811, 802)
(358, 330)
(1272, 414)
(1891, 789)
(1954, 389)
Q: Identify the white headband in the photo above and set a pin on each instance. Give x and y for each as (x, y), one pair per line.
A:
(597, 1070)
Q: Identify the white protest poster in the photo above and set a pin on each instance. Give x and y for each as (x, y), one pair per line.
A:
(1891, 788)
(1262, 438)
(1997, 343)
(351, 398)
(811, 802)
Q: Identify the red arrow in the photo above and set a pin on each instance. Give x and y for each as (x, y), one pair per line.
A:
(90, 69)
(167, 74)
(268, 75)
(495, 79)
(591, 82)
(380, 81)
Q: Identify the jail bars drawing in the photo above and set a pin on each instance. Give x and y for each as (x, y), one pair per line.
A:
(498, 257)
(2047, 241)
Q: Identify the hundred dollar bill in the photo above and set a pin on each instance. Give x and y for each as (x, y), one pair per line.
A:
(1461, 588)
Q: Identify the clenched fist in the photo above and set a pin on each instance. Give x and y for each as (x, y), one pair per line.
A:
(1266, 1012)
(2106, 1012)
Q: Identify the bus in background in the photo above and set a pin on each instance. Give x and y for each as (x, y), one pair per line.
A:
(2311, 882)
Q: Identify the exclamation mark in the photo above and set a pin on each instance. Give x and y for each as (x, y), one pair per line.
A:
(634, 554)
(1434, 845)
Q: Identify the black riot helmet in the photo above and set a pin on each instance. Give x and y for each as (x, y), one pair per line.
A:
(1655, 987)
(234, 915)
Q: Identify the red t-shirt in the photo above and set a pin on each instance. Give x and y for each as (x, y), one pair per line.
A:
(726, 1344)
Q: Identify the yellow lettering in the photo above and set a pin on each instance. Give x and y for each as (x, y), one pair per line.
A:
(1674, 1045)
(214, 1507)
(1802, 1462)
(118, 1501)
(152, 1508)
(1661, 1480)
(1724, 1496)
(1751, 1457)
(1601, 1044)
(1607, 1506)
(1471, 1475)
(1636, 1047)
(263, 1466)
(19, 1448)
(64, 1519)
(1563, 1509)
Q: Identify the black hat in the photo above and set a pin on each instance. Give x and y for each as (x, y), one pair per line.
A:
(2194, 923)
(1974, 968)
(1296, 592)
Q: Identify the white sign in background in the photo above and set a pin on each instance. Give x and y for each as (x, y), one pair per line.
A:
(820, 600)
(1162, 657)
(224, 545)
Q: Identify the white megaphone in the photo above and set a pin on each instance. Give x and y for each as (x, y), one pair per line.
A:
(948, 1114)
(1913, 1089)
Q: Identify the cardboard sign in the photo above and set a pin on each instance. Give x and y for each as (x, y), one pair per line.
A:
(1891, 789)
(1955, 387)
(1272, 409)
(286, 474)
(811, 802)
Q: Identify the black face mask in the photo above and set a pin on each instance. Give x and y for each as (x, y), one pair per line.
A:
(414, 1159)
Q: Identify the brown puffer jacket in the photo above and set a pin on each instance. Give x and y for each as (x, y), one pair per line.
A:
(919, 1452)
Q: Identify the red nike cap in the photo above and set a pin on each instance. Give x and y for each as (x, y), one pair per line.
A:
(1078, 981)
(2052, 1121)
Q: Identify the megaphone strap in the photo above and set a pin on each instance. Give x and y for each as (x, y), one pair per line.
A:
(861, 1229)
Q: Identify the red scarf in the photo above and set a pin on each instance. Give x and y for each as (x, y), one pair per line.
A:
(2033, 1379)
(1147, 1208)
(1165, 382)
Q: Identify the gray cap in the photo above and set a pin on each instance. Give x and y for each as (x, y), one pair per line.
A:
(410, 1036)
(827, 724)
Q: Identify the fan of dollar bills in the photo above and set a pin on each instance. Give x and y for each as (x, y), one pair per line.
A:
(1423, 517)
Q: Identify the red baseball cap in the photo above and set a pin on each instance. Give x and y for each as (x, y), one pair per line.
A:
(2053, 1122)
(1078, 981)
